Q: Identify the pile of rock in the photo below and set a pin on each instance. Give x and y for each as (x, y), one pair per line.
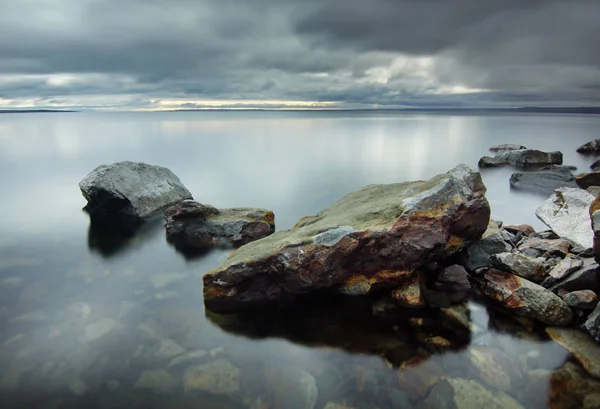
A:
(127, 194)
(551, 174)
(519, 156)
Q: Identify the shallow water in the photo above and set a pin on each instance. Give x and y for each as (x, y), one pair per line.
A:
(93, 321)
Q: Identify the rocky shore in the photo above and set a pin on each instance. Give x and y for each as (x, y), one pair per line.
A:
(408, 270)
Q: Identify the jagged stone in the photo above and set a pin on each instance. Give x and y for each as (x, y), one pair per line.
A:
(523, 297)
(566, 212)
(193, 226)
(521, 265)
(395, 229)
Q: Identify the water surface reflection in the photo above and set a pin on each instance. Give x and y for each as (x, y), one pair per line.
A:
(97, 320)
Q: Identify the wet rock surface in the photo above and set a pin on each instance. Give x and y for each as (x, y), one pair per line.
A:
(566, 212)
(523, 297)
(581, 345)
(382, 234)
(586, 180)
(590, 147)
(520, 265)
(488, 162)
(192, 226)
(544, 181)
(507, 147)
(130, 191)
(582, 299)
(592, 325)
(525, 158)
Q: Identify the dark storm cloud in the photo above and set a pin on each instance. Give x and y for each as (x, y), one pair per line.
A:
(357, 53)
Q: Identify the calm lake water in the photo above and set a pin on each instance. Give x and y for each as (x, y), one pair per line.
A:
(97, 322)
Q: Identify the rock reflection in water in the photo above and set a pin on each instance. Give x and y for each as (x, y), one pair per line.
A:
(83, 333)
(109, 239)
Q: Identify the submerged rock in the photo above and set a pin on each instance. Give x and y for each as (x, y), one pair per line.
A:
(544, 181)
(523, 297)
(580, 345)
(131, 191)
(219, 377)
(521, 265)
(493, 367)
(289, 387)
(571, 387)
(585, 180)
(507, 147)
(191, 225)
(566, 212)
(595, 166)
(524, 158)
(372, 238)
(158, 381)
(453, 393)
(590, 147)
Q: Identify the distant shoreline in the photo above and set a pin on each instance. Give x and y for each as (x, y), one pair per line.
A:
(524, 110)
(31, 111)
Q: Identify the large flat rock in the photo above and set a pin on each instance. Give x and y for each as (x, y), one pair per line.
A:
(524, 158)
(581, 345)
(372, 238)
(566, 212)
(131, 191)
(543, 181)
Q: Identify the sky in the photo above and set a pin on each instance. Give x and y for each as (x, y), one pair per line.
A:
(298, 54)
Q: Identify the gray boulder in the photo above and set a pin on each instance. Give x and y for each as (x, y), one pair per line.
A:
(131, 191)
(480, 252)
(524, 158)
(194, 226)
(592, 325)
(376, 237)
(544, 181)
(582, 299)
(506, 147)
(487, 162)
(520, 265)
(590, 147)
(523, 297)
(595, 166)
(564, 268)
(536, 247)
(566, 212)
(582, 279)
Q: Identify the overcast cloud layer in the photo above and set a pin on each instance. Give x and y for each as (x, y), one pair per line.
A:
(169, 54)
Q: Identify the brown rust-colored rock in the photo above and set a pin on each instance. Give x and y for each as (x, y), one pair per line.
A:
(526, 229)
(193, 226)
(409, 294)
(523, 297)
(372, 238)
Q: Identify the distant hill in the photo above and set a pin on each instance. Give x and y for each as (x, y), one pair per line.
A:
(30, 111)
